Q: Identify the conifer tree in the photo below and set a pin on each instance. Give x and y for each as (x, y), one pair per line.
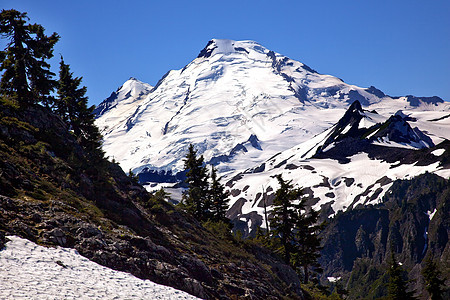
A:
(72, 106)
(26, 75)
(284, 218)
(397, 286)
(307, 237)
(195, 199)
(295, 232)
(434, 284)
(218, 197)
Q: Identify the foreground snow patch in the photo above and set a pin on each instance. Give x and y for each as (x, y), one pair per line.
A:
(29, 271)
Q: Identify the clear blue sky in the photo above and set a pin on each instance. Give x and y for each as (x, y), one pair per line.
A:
(400, 46)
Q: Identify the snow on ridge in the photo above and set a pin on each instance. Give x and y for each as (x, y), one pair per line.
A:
(30, 271)
(438, 152)
(431, 214)
(360, 181)
(232, 90)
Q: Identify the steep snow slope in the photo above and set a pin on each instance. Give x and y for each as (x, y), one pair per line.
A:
(29, 271)
(353, 162)
(237, 102)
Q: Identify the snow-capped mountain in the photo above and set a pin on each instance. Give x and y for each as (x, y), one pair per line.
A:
(238, 103)
(354, 162)
(255, 113)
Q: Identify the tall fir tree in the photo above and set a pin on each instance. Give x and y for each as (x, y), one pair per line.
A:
(295, 232)
(285, 215)
(308, 248)
(434, 283)
(72, 106)
(218, 198)
(26, 75)
(195, 199)
(398, 285)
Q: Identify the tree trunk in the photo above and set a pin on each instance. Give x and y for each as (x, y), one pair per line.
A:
(305, 269)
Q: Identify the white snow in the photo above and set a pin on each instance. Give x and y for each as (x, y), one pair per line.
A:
(219, 101)
(333, 279)
(431, 214)
(438, 152)
(363, 171)
(242, 88)
(30, 271)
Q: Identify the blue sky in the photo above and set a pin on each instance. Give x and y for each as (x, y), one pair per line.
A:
(400, 46)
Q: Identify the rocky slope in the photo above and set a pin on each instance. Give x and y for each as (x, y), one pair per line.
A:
(50, 196)
(412, 221)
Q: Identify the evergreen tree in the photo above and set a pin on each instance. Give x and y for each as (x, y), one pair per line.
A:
(72, 106)
(285, 215)
(434, 284)
(218, 198)
(308, 241)
(195, 199)
(26, 76)
(162, 195)
(397, 286)
(295, 232)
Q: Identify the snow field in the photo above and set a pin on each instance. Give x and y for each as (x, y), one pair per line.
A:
(30, 271)
(326, 176)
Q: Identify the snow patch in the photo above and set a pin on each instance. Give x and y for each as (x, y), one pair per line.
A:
(30, 271)
(438, 152)
(431, 214)
(333, 279)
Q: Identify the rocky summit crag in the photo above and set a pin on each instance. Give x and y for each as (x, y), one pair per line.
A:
(50, 196)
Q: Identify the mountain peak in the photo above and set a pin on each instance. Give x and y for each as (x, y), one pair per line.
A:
(225, 46)
(233, 90)
(132, 89)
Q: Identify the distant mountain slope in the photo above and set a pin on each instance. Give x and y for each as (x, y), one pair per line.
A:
(412, 221)
(353, 162)
(232, 92)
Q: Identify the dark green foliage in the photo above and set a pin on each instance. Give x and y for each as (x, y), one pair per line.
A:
(357, 242)
(195, 199)
(295, 232)
(367, 281)
(133, 177)
(221, 230)
(161, 195)
(72, 107)
(398, 285)
(307, 237)
(218, 198)
(26, 75)
(284, 218)
(434, 283)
